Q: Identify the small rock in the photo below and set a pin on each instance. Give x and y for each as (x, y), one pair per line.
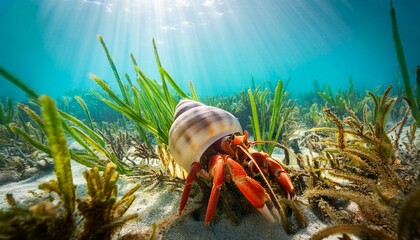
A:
(9, 176)
(44, 165)
(29, 171)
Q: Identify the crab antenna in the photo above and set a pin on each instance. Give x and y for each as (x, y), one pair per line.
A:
(265, 179)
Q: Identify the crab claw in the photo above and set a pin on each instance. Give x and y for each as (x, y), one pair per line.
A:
(275, 170)
(253, 191)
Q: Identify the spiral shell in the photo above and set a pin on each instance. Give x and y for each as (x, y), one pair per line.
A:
(196, 127)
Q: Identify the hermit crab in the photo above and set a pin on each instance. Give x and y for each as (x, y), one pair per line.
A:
(209, 142)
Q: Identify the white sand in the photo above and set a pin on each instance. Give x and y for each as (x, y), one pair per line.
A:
(21, 190)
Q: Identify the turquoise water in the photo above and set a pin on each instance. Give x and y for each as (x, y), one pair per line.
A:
(220, 45)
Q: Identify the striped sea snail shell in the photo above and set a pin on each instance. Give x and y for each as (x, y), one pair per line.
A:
(197, 126)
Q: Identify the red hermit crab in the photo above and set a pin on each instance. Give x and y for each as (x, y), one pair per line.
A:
(209, 141)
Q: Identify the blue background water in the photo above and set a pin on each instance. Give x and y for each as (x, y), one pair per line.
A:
(218, 44)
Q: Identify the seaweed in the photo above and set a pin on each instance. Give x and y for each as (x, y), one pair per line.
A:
(100, 209)
(90, 159)
(360, 165)
(342, 100)
(351, 229)
(19, 83)
(313, 118)
(408, 223)
(85, 110)
(414, 103)
(268, 125)
(149, 104)
(127, 147)
(69, 104)
(18, 158)
(6, 112)
(47, 219)
(312, 96)
(6, 117)
(58, 144)
(293, 219)
(238, 104)
(83, 134)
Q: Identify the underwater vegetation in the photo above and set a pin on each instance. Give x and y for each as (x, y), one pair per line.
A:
(149, 104)
(320, 96)
(268, 112)
(359, 163)
(48, 219)
(344, 99)
(311, 103)
(100, 143)
(414, 103)
(18, 158)
(70, 104)
(271, 115)
(6, 112)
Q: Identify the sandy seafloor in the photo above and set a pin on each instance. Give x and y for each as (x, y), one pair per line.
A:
(160, 205)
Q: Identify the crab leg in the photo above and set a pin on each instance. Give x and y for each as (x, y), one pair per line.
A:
(252, 190)
(192, 176)
(217, 170)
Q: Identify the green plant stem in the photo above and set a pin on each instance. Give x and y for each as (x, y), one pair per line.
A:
(255, 121)
(415, 108)
(19, 83)
(59, 151)
(114, 69)
(85, 110)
